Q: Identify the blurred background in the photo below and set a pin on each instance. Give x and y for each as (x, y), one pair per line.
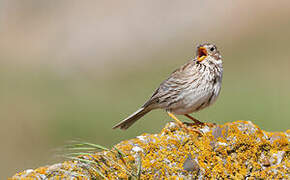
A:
(72, 69)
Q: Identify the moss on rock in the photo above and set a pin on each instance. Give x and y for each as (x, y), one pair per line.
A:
(235, 150)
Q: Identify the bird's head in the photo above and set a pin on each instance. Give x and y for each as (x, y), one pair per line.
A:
(208, 53)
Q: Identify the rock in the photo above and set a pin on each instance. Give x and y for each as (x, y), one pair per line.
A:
(238, 150)
(190, 164)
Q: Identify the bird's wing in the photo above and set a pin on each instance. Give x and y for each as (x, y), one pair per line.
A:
(171, 88)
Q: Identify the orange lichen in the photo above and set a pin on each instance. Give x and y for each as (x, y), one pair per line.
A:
(235, 150)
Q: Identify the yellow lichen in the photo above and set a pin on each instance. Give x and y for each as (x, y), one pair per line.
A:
(231, 151)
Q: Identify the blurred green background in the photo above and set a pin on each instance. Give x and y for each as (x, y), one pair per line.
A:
(72, 69)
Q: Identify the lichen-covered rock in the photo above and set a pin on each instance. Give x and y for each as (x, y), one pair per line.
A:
(238, 150)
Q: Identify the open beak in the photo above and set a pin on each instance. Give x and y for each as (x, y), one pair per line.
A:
(202, 54)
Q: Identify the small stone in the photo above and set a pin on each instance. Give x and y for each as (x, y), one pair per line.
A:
(190, 164)
(29, 171)
(137, 149)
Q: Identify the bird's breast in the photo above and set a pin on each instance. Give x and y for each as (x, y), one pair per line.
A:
(198, 95)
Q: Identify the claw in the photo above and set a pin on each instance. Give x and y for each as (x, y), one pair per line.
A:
(183, 125)
(196, 122)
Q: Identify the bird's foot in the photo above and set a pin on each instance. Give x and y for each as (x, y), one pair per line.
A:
(189, 129)
(200, 125)
(184, 126)
(193, 130)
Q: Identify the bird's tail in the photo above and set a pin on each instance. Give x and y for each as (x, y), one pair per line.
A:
(126, 123)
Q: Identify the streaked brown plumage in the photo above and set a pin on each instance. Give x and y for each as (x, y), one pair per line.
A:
(192, 87)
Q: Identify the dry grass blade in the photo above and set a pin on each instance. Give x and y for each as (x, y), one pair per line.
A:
(139, 166)
(88, 149)
(119, 151)
(121, 155)
(89, 162)
(116, 163)
(86, 146)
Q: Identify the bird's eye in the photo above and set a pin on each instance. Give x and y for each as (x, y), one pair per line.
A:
(211, 49)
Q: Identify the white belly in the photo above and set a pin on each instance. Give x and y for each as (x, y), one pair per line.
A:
(196, 99)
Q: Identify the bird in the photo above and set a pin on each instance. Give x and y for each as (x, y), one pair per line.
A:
(190, 88)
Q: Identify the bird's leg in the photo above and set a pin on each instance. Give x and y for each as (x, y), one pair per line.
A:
(183, 125)
(196, 122)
